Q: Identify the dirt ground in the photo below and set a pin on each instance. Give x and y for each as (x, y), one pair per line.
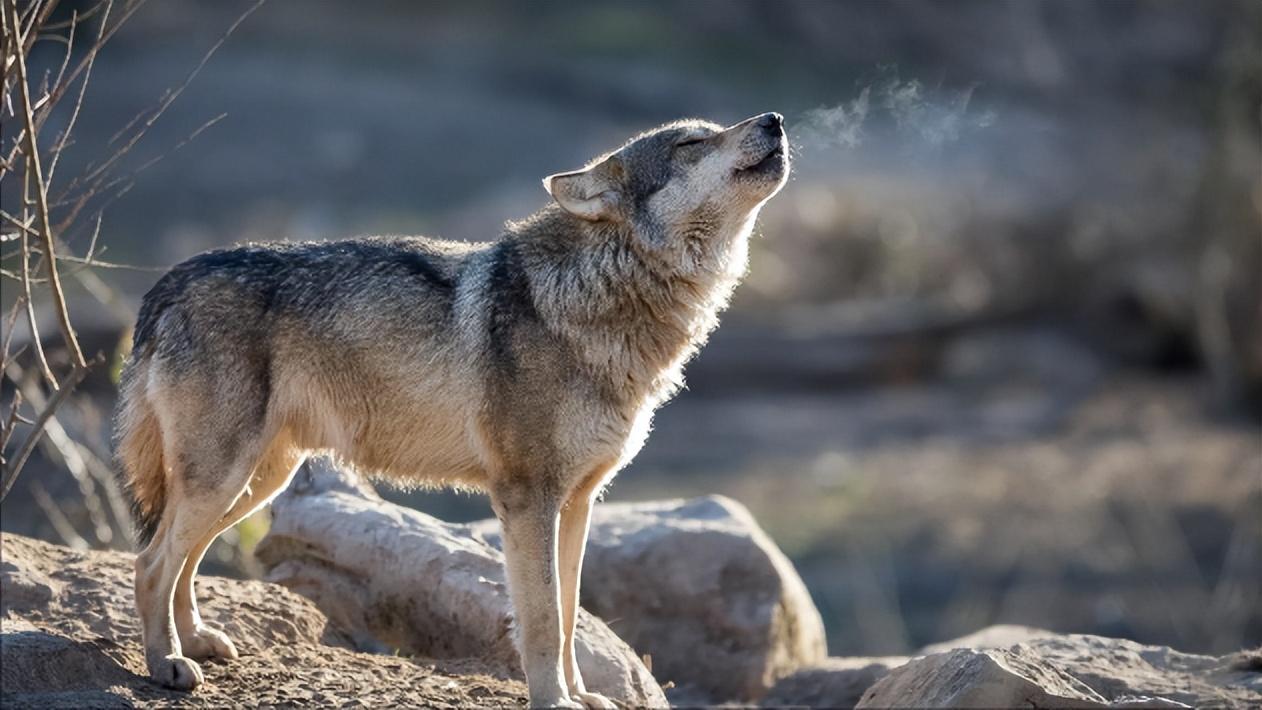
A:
(71, 639)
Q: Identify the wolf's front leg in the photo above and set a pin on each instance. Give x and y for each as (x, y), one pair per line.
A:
(529, 517)
(575, 521)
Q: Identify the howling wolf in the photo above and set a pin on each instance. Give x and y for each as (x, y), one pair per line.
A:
(528, 367)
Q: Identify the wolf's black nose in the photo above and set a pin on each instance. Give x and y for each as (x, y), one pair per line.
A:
(772, 122)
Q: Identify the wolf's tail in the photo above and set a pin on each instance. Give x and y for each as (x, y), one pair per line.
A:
(138, 450)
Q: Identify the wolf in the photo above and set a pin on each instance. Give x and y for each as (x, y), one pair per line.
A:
(528, 367)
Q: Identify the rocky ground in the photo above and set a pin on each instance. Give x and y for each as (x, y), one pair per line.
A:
(1017, 666)
(71, 639)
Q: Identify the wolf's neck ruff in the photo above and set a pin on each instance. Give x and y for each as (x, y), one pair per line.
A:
(634, 313)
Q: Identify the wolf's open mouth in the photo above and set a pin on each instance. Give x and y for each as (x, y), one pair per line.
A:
(770, 162)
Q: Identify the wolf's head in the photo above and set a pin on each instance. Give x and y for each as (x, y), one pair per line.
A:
(685, 180)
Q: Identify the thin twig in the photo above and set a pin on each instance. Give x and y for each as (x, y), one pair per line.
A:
(97, 179)
(24, 226)
(8, 333)
(58, 91)
(59, 446)
(102, 38)
(107, 295)
(134, 120)
(37, 20)
(31, 320)
(82, 18)
(69, 38)
(74, 115)
(127, 181)
(10, 425)
(69, 537)
(170, 97)
(37, 429)
(41, 196)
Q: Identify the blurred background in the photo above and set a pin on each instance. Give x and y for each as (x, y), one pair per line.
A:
(998, 358)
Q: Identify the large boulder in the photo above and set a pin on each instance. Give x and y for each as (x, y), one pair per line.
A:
(397, 579)
(699, 587)
(1070, 671)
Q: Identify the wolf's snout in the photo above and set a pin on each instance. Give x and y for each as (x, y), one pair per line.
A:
(772, 123)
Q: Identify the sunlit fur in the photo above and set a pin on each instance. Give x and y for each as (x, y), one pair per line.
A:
(528, 367)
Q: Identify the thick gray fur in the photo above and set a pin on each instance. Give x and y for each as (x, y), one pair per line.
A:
(528, 367)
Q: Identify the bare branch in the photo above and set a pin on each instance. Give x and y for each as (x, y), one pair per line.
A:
(127, 181)
(69, 537)
(8, 336)
(10, 424)
(24, 226)
(83, 17)
(58, 445)
(106, 32)
(74, 116)
(36, 229)
(95, 175)
(98, 264)
(41, 195)
(31, 321)
(107, 295)
(102, 38)
(37, 429)
(39, 14)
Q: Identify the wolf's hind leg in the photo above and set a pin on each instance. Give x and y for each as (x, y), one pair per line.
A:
(190, 505)
(273, 472)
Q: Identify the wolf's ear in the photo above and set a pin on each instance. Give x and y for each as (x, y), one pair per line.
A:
(589, 194)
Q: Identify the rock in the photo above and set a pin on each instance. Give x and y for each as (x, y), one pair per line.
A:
(1109, 667)
(990, 678)
(833, 683)
(1118, 669)
(1069, 671)
(997, 636)
(71, 639)
(699, 587)
(33, 660)
(25, 587)
(395, 578)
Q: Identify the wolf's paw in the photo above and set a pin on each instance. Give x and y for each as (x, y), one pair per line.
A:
(561, 702)
(176, 672)
(594, 701)
(206, 642)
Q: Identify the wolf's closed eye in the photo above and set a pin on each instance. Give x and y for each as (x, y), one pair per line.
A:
(688, 142)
